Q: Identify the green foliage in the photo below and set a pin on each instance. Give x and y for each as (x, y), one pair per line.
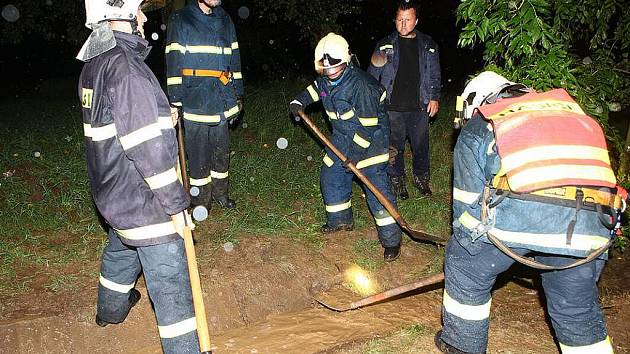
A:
(581, 46)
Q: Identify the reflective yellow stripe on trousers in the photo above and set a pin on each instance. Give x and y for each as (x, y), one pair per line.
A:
(603, 347)
(466, 312)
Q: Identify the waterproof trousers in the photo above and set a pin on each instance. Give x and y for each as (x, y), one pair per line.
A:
(571, 297)
(336, 186)
(208, 152)
(415, 127)
(166, 275)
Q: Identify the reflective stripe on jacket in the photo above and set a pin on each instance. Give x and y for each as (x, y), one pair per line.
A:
(356, 110)
(207, 43)
(429, 85)
(131, 144)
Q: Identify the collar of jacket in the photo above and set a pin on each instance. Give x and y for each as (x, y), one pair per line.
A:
(132, 43)
(347, 73)
(395, 37)
(196, 11)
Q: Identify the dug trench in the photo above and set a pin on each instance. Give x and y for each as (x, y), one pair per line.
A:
(259, 299)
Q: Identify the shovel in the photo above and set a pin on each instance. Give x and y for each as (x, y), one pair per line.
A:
(430, 280)
(415, 234)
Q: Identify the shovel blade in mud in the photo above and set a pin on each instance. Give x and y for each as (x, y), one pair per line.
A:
(430, 280)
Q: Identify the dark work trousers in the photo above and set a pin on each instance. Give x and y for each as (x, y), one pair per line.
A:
(166, 275)
(208, 152)
(336, 186)
(571, 294)
(414, 126)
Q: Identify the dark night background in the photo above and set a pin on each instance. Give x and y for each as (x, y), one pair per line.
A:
(271, 50)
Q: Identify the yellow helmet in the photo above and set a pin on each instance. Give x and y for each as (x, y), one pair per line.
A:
(331, 53)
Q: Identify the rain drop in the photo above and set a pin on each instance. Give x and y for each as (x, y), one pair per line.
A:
(265, 67)
(282, 143)
(10, 13)
(163, 27)
(309, 158)
(155, 36)
(228, 247)
(244, 125)
(271, 41)
(251, 179)
(49, 2)
(37, 154)
(243, 12)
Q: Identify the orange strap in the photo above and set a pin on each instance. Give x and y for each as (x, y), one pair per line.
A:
(223, 76)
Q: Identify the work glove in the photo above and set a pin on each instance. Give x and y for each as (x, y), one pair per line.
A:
(393, 152)
(180, 222)
(295, 107)
(175, 113)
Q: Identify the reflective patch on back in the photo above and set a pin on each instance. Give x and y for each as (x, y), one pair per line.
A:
(86, 97)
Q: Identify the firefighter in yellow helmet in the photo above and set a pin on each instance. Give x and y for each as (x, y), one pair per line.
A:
(531, 177)
(131, 152)
(354, 104)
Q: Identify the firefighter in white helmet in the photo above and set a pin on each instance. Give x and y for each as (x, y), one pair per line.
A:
(354, 103)
(131, 150)
(531, 177)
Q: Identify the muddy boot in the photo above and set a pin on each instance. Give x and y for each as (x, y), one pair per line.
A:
(423, 185)
(225, 202)
(398, 187)
(391, 253)
(447, 348)
(200, 196)
(134, 297)
(327, 229)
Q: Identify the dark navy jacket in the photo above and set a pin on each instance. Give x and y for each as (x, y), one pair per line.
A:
(131, 147)
(428, 60)
(356, 109)
(205, 42)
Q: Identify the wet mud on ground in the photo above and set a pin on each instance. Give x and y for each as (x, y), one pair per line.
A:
(259, 299)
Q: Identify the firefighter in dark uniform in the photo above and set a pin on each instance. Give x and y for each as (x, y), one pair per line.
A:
(131, 151)
(532, 176)
(204, 78)
(354, 103)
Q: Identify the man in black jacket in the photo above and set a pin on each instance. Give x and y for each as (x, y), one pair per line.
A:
(131, 151)
(407, 63)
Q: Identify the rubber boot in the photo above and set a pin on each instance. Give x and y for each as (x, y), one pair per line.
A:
(134, 297)
(203, 198)
(423, 185)
(327, 229)
(225, 202)
(447, 348)
(398, 187)
(390, 254)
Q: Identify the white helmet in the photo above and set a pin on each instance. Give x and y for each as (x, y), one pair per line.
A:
(103, 10)
(484, 88)
(331, 53)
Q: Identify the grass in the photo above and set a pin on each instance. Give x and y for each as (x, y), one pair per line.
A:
(47, 218)
(412, 339)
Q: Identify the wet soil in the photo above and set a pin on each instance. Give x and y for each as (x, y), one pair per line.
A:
(259, 299)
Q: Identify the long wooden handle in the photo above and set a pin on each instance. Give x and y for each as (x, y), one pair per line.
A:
(430, 280)
(195, 285)
(379, 195)
(191, 256)
(182, 154)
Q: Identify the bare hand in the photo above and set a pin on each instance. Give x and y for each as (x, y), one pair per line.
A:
(432, 108)
(180, 223)
(174, 115)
